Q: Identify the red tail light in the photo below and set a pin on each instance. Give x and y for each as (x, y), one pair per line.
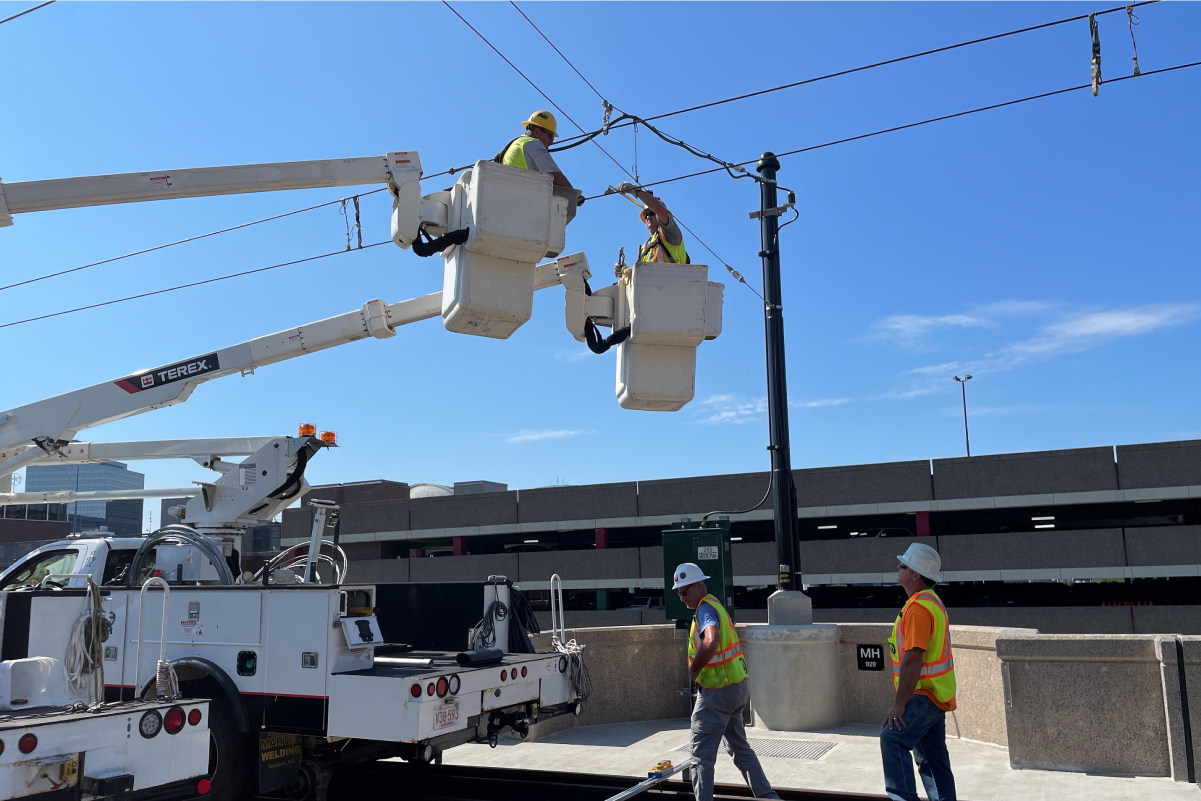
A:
(442, 687)
(1, 747)
(203, 786)
(174, 719)
(430, 689)
(504, 675)
(194, 717)
(27, 743)
(523, 671)
(415, 691)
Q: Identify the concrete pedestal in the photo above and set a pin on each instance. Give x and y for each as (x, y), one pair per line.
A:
(794, 676)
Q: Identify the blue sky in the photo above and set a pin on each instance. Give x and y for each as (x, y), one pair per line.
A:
(1050, 249)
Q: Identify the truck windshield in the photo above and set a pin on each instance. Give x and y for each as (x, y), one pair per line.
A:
(31, 573)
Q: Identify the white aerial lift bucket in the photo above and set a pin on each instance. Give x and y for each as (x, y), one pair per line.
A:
(670, 309)
(515, 220)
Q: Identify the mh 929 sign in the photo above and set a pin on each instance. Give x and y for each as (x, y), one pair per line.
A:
(870, 657)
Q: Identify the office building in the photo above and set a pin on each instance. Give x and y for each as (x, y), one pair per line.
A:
(120, 517)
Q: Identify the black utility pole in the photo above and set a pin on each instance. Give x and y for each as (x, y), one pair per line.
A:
(784, 491)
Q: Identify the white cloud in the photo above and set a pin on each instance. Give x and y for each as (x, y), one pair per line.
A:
(549, 433)
(1073, 333)
(909, 330)
(819, 403)
(733, 410)
(1080, 332)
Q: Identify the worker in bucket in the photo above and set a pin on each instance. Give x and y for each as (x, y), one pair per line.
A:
(923, 675)
(666, 242)
(716, 664)
(530, 151)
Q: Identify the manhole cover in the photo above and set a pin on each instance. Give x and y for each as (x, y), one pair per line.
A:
(779, 749)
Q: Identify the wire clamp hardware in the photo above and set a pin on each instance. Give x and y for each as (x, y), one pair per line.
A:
(1131, 21)
(1095, 31)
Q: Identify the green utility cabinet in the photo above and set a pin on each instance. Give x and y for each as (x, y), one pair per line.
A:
(709, 549)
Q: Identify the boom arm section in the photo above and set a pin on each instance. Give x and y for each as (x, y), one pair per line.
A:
(50, 424)
(394, 169)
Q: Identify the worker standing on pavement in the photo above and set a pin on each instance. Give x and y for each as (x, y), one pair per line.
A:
(530, 151)
(716, 664)
(666, 242)
(923, 675)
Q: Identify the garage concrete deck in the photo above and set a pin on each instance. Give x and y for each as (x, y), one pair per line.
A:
(982, 771)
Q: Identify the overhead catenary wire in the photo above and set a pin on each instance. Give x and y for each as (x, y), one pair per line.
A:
(26, 11)
(797, 151)
(189, 285)
(877, 64)
(530, 82)
(920, 123)
(185, 241)
(579, 139)
(737, 275)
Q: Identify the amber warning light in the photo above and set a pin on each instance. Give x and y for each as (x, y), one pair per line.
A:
(330, 437)
(308, 430)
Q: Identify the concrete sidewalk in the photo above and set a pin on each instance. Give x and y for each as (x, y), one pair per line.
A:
(852, 764)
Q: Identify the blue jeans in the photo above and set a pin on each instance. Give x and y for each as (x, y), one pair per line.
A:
(925, 734)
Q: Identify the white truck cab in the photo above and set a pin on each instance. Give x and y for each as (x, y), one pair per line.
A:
(64, 563)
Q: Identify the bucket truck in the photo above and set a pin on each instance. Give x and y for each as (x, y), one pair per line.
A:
(306, 672)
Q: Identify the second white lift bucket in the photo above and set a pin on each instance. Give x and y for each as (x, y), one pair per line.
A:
(515, 220)
(670, 309)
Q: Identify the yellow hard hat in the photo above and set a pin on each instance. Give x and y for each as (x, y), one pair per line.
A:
(645, 211)
(543, 119)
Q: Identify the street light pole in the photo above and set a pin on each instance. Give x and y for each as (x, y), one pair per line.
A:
(963, 386)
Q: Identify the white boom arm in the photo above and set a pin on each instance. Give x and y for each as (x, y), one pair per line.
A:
(395, 169)
(42, 431)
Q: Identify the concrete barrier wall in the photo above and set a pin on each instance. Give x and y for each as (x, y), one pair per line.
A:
(980, 702)
(1089, 703)
(1099, 703)
(636, 673)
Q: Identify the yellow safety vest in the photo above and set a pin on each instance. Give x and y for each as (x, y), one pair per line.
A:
(728, 665)
(514, 154)
(658, 249)
(938, 664)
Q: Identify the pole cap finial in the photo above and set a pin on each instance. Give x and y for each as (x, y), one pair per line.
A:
(768, 161)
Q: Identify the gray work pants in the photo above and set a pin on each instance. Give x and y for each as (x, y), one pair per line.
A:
(718, 713)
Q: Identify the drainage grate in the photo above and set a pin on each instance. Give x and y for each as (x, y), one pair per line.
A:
(780, 749)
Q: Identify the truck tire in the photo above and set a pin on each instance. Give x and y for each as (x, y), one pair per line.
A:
(231, 764)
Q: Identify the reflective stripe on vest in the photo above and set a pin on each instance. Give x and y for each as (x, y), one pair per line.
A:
(728, 665)
(515, 152)
(938, 663)
(658, 249)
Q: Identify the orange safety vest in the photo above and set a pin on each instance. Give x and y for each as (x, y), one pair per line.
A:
(938, 663)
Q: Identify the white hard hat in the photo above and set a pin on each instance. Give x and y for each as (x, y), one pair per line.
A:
(923, 560)
(686, 574)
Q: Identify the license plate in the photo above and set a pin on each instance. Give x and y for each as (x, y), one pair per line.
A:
(446, 717)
